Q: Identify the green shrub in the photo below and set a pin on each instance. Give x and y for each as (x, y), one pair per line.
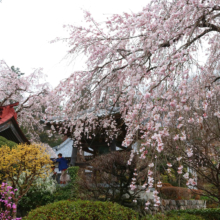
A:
(209, 214)
(173, 216)
(73, 172)
(211, 202)
(4, 141)
(70, 191)
(82, 210)
(62, 193)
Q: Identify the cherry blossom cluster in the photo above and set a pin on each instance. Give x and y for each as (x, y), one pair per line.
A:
(131, 157)
(191, 182)
(156, 198)
(30, 91)
(148, 67)
(150, 176)
(133, 184)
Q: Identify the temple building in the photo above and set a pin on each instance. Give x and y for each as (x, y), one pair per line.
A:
(89, 147)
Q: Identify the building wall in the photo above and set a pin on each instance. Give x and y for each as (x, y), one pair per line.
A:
(168, 205)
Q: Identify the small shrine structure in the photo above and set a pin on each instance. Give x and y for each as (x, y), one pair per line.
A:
(9, 127)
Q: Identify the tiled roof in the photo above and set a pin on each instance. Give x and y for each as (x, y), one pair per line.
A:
(66, 148)
(100, 113)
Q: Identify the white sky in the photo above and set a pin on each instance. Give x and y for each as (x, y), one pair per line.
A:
(27, 27)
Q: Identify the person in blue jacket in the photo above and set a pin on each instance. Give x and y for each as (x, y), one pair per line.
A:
(63, 168)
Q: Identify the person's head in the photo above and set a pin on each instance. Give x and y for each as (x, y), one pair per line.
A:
(59, 155)
(52, 167)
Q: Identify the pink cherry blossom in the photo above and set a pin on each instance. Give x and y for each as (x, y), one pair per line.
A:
(30, 91)
(159, 184)
(191, 182)
(191, 120)
(189, 152)
(179, 126)
(200, 120)
(156, 117)
(209, 94)
(179, 158)
(168, 170)
(180, 118)
(183, 136)
(217, 114)
(176, 137)
(205, 105)
(151, 165)
(150, 172)
(186, 175)
(147, 95)
(169, 164)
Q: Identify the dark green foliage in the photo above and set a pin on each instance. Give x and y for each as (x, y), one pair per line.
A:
(52, 141)
(73, 172)
(173, 216)
(35, 199)
(4, 141)
(62, 193)
(32, 200)
(211, 202)
(17, 71)
(209, 214)
(82, 210)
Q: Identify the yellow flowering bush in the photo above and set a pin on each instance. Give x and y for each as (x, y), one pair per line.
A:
(26, 162)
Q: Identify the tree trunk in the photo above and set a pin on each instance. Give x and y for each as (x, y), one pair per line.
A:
(74, 155)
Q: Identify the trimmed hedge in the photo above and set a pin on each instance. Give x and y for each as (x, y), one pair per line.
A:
(209, 214)
(4, 141)
(82, 210)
